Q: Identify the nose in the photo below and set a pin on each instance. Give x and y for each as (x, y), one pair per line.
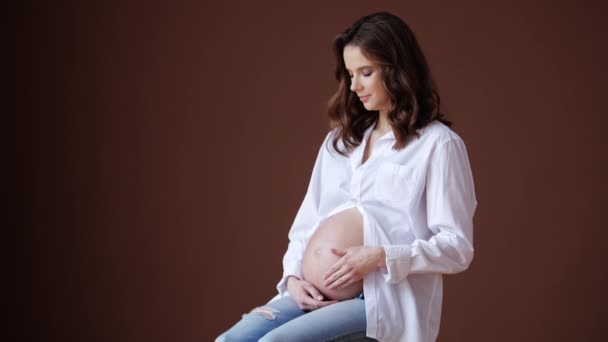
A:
(355, 84)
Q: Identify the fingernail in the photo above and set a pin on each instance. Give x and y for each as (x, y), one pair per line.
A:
(319, 297)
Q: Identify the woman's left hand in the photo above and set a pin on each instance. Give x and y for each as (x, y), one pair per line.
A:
(355, 263)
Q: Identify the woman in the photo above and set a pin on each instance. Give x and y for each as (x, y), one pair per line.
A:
(388, 210)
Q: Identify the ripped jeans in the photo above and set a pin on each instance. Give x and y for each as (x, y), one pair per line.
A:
(282, 320)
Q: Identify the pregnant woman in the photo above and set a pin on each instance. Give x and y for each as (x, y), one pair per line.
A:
(388, 210)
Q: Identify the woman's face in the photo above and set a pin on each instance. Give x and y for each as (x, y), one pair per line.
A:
(366, 79)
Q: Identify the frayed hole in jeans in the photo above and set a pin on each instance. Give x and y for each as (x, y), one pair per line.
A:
(266, 312)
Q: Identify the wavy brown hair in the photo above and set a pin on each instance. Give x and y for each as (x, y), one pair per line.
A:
(388, 41)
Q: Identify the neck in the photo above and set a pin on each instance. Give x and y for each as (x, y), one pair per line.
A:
(383, 125)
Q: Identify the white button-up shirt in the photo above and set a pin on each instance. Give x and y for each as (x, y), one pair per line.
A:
(418, 203)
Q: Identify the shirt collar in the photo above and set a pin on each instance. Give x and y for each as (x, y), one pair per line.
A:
(357, 154)
(388, 135)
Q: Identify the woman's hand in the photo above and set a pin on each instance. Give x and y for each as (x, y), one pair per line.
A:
(306, 294)
(355, 263)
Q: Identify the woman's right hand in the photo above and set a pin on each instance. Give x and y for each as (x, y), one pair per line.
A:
(306, 294)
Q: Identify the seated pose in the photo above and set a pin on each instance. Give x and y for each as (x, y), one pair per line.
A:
(388, 210)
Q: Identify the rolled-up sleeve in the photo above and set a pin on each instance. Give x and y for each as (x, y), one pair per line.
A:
(450, 206)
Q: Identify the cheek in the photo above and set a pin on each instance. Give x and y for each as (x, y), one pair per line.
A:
(379, 89)
(382, 95)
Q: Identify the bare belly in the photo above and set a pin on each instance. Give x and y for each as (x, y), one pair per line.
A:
(343, 230)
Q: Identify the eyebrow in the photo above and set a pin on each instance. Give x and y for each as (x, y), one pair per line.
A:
(361, 67)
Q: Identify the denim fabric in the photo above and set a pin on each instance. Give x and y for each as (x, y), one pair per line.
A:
(283, 320)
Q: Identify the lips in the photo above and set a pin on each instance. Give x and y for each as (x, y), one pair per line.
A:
(364, 98)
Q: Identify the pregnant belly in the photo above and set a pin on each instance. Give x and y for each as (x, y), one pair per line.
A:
(343, 230)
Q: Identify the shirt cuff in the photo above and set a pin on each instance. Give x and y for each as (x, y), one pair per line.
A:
(398, 260)
(282, 285)
(293, 268)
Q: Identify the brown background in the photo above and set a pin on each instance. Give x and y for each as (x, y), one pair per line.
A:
(167, 147)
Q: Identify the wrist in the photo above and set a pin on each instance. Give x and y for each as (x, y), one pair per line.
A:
(290, 279)
(380, 257)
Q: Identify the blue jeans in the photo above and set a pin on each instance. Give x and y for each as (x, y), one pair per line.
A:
(283, 320)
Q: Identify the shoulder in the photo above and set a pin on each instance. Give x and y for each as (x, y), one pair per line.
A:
(330, 133)
(437, 134)
(327, 144)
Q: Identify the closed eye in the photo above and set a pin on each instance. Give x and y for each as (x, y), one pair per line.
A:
(365, 74)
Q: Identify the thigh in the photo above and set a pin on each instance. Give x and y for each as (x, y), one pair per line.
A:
(342, 321)
(261, 320)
